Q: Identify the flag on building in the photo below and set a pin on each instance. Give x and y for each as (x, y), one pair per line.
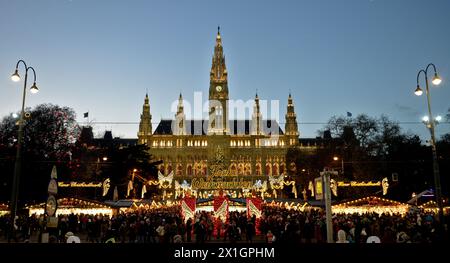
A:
(129, 188)
(86, 114)
(349, 114)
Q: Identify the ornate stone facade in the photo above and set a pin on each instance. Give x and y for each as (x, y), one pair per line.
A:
(190, 148)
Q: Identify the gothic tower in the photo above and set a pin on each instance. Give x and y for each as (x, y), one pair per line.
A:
(256, 118)
(218, 91)
(291, 127)
(145, 126)
(180, 119)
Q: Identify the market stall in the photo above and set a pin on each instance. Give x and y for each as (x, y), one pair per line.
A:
(131, 205)
(431, 206)
(70, 205)
(371, 204)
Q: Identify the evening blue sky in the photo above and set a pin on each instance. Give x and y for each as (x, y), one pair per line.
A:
(358, 56)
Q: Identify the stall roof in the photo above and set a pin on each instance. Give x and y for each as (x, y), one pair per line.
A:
(371, 201)
(74, 202)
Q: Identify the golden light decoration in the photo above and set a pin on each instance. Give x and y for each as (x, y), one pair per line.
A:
(393, 207)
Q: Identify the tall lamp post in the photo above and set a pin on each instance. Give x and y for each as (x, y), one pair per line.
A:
(18, 162)
(431, 124)
(336, 158)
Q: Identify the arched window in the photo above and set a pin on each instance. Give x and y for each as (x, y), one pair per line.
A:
(240, 169)
(233, 169)
(268, 169)
(204, 168)
(248, 169)
(189, 169)
(282, 168)
(179, 169)
(258, 169)
(275, 170)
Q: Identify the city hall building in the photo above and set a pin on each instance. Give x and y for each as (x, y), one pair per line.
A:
(255, 147)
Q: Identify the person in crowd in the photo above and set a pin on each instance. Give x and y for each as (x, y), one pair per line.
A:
(71, 238)
(189, 230)
(250, 231)
(341, 237)
(276, 224)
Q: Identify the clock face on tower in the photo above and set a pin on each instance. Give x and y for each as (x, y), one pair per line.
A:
(219, 88)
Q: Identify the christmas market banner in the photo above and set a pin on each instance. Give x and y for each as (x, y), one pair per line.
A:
(188, 205)
(221, 208)
(254, 207)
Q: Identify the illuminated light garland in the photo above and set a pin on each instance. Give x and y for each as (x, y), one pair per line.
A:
(431, 206)
(68, 206)
(393, 207)
(427, 204)
(291, 206)
(76, 211)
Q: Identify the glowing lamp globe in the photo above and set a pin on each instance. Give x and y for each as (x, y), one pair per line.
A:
(436, 80)
(418, 91)
(15, 77)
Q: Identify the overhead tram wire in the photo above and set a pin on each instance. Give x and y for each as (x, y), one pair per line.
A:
(313, 123)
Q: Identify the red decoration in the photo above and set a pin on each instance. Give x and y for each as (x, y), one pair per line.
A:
(221, 207)
(188, 205)
(252, 204)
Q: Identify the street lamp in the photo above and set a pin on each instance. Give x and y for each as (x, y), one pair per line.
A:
(336, 158)
(430, 122)
(18, 162)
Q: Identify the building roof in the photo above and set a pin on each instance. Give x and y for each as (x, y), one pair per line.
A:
(237, 127)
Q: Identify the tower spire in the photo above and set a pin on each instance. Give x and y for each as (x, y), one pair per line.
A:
(218, 91)
(145, 125)
(291, 127)
(256, 118)
(180, 119)
(218, 67)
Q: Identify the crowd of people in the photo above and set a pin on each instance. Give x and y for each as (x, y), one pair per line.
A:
(276, 225)
(283, 225)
